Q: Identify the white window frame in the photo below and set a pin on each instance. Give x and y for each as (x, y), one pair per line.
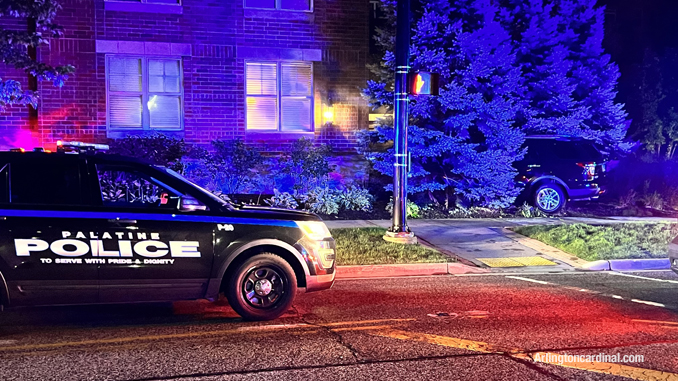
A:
(179, 2)
(277, 7)
(145, 94)
(279, 97)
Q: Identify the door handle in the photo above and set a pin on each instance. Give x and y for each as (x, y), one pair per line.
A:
(122, 221)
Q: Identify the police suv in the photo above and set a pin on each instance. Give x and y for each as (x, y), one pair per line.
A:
(78, 226)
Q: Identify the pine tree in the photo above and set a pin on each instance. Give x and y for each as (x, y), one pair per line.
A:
(464, 140)
(571, 82)
(16, 45)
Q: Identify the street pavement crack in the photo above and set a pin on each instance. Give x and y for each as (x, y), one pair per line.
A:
(311, 367)
(338, 337)
(534, 366)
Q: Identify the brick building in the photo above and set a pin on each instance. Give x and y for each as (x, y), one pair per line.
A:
(266, 71)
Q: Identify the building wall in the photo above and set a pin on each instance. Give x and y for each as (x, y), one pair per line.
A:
(214, 39)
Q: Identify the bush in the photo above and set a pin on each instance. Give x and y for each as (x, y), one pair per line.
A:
(304, 168)
(475, 212)
(155, 147)
(529, 211)
(282, 200)
(321, 200)
(232, 167)
(413, 210)
(355, 198)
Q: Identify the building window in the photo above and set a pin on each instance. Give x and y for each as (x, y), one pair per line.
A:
(144, 93)
(171, 2)
(279, 96)
(285, 5)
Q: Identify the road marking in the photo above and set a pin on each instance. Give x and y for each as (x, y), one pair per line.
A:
(517, 261)
(655, 322)
(648, 303)
(644, 277)
(541, 357)
(239, 330)
(7, 342)
(528, 279)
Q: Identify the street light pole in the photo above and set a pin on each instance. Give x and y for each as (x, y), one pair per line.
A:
(399, 231)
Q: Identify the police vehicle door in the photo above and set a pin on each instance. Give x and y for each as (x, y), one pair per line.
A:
(152, 250)
(41, 202)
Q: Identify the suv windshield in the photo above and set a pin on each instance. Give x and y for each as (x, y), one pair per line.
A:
(198, 187)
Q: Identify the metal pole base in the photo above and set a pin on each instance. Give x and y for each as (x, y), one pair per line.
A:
(406, 238)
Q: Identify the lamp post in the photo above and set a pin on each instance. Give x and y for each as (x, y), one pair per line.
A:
(399, 231)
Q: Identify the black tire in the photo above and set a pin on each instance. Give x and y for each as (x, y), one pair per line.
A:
(246, 287)
(549, 198)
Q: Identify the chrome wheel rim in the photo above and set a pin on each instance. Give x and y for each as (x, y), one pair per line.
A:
(548, 199)
(263, 287)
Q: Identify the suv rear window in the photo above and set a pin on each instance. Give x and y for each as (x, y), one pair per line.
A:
(569, 150)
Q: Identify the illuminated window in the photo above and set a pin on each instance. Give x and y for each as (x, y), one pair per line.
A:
(144, 93)
(279, 96)
(285, 5)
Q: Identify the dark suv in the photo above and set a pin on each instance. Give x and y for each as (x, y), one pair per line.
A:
(94, 228)
(557, 169)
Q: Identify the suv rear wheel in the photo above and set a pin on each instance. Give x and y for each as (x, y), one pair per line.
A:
(262, 288)
(549, 198)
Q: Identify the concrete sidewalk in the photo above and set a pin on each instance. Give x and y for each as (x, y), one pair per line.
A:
(486, 241)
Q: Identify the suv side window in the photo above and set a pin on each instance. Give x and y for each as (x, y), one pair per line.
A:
(126, 187)
(45, 182)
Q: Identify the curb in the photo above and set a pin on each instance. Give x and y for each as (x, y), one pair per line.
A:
(629, 265)
(403, 270)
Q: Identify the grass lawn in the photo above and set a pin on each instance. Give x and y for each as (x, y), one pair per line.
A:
(365, 246)
(619, 241)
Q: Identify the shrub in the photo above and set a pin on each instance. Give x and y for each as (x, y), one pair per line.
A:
(232, 167)
(413, 210)
(321, 200)
(475, 212)
(155, 147)
(355, 198)
(653, 200)
(628, 199)
(304, 168)
(282, 200)
(529, 211)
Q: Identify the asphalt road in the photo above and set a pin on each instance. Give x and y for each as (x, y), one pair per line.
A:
(482, 327)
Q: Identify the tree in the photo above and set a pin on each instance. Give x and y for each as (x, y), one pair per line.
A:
(464, 140)
(571, 83)
(655, 122)
(508, 67)
(17, 47)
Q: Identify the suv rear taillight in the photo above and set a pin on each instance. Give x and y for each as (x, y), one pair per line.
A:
(589, 170)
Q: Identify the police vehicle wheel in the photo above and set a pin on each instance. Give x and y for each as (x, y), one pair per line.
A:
(262, 288)
(549, 198)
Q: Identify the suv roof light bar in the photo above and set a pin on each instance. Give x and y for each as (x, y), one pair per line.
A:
(80, 147)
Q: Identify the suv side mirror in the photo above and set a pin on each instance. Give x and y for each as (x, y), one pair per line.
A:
(190, 204)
